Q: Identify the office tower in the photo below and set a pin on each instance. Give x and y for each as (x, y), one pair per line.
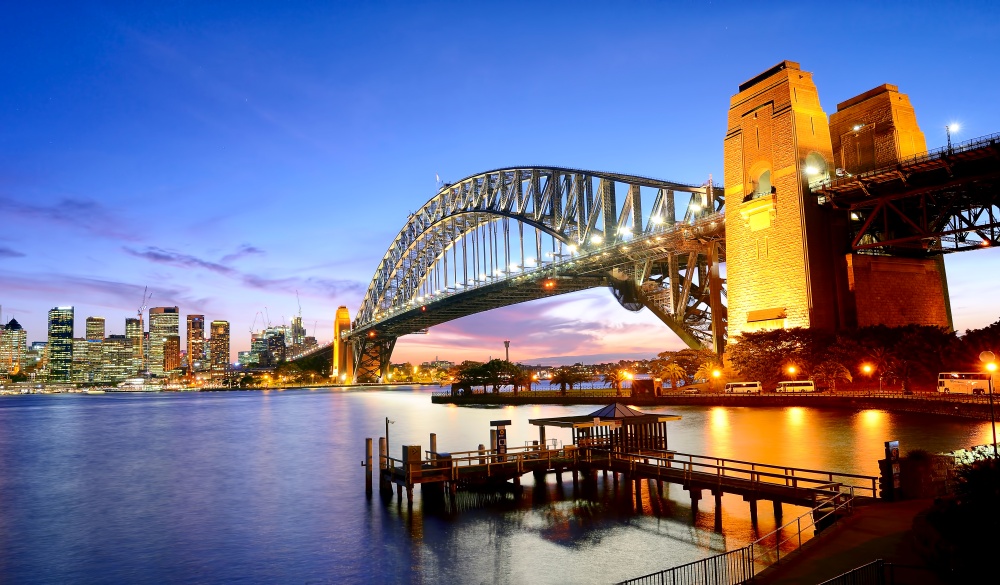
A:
(95, 336)
(117, 359)
(133, 333)
(164, 322)
(13, 347)
(82, 370)
(219, 348)
(195, 342)
(298, 333)
(95, 328)
(171, 353)
(60, 344)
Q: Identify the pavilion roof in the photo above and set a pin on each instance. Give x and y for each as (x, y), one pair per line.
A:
(616, 413)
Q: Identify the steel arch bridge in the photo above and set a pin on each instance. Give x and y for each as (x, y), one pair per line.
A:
(512, 235)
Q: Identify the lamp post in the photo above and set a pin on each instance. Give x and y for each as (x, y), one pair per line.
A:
(791, 372)
(989, 359)
(947, 130)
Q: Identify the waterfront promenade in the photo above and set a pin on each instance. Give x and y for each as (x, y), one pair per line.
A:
(962, 405)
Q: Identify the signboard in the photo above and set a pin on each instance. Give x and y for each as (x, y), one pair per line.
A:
(892, 456)
(501, 441)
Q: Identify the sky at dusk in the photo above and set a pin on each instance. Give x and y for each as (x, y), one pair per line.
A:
(227, 155)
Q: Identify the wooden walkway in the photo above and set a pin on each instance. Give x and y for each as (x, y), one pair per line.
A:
(696, 473)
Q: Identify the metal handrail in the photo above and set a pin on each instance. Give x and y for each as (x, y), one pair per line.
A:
(740, 565)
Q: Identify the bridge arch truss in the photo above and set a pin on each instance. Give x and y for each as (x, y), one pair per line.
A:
(515, 234)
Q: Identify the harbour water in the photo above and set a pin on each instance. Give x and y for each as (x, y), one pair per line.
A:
(269, 487)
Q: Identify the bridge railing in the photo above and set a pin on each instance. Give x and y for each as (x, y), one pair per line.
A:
(705, 467)
(957, 148)
(741, 565)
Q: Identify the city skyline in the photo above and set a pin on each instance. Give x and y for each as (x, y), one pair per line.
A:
(236, 161)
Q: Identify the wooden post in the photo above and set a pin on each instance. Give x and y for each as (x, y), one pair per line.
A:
(695, 498)
(541, 436)
(384, 485)
(434, 446)
(368, 467)
(753, 512)
(482, 453)
(777, 509)
(493, 445)
(718, 510)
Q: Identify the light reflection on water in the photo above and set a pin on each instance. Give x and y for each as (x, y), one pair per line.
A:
(267, 486)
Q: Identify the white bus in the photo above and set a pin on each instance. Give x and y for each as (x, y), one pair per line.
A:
(743, 388)
(796, 386)
(963, 382)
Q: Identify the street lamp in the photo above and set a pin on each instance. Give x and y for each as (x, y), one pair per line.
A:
(791, 371)
(989, 359)
(716, 373)
(948, 130)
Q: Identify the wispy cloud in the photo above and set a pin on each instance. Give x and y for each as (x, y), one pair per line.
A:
(323, 286)
(8, 253)
(161, 256)
(242, 252)
(83, 214)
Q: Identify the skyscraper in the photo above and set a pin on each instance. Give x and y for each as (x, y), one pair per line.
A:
(60, 345)
(171, 353)
(298, 333)
(134, 334)
(13, 345)
(95, 328)
(163, 323)
(95, 337)
(219, 344)
(195, 341)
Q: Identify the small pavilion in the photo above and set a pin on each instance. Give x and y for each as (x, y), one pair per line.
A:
(615, 427)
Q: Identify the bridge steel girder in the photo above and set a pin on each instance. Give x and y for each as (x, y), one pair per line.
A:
(943, 201)
(460, 254)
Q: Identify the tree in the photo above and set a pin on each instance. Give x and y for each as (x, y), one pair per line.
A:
(673, 372)
(707, 370)
(567, 377)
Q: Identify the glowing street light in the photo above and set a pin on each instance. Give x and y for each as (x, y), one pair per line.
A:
(791, 370)
(988, 358)
(948, 130)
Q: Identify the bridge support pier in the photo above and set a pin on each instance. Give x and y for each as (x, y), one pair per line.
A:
(753, 509)
(695, 498)
(637, 488)
(718, 510)
(777, 509)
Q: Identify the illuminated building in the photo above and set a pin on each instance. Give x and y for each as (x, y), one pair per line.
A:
(60, 344)
(95, 337)
(83, 368)
(219, 349)
(95, 328)
(117, 359)
(164, 322)
(298, 332)
(134, 335)
(13, 347)
(171, 353)
(195, 342)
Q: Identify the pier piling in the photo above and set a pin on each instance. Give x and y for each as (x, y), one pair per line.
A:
(368, 467)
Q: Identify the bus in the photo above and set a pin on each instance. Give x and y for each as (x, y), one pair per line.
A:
(963, 382)
(796, 386)
(743, 388)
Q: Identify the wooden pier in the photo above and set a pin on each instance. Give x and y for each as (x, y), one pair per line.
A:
(630, 445)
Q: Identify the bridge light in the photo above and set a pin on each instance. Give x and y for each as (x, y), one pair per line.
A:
(695, 207)
(811, 170)
(530, 261)
(857, 127)
(571, 248)
(482, 275)
(423, 309)
(953, 127)
(513, 267)
(656, 219)
(548, 284)
(371, 334)
(595, 239)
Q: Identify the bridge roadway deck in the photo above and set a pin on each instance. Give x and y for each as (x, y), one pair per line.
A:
(753, 481)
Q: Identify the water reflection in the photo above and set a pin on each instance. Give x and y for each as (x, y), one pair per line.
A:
(268, 487)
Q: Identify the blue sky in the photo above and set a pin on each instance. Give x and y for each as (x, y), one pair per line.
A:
(229, 155)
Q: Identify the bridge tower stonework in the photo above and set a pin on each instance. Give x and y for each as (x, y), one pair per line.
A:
(788, 258)
(779, 261)
(342, 364)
